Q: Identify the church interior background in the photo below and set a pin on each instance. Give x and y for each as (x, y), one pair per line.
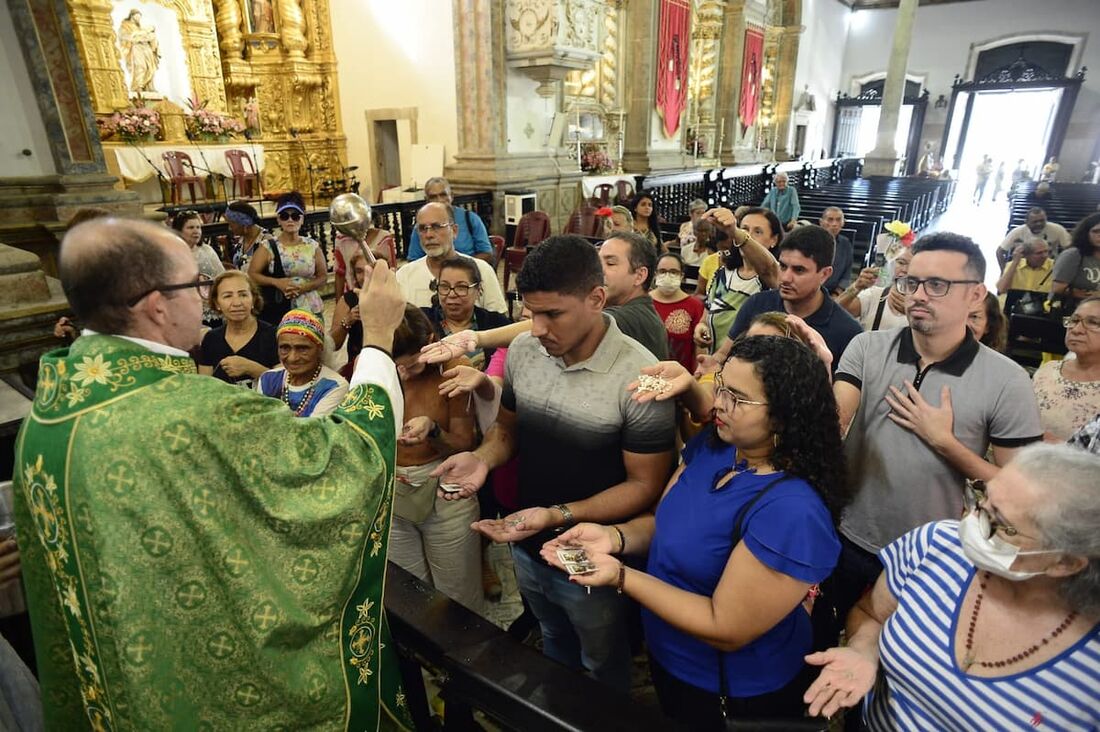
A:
(549, 97)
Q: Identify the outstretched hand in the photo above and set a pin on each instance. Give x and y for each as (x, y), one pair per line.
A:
(677, 378)
(517, 526)
(846, 677)
(465, 470)
(451, 347)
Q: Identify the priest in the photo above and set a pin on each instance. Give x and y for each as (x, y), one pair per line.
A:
(194, 555)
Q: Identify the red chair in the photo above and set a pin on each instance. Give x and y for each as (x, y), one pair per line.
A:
(585, 222)
(179, 163)
(602, 193)
(243, 177)
(624, 193)
(497, 243)
(533, 227)
(389, 246)
(513, 263)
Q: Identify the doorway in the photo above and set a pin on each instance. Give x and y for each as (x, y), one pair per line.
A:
(1010, 127)
(387, 153)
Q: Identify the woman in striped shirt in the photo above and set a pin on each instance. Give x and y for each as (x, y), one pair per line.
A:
(988, 623)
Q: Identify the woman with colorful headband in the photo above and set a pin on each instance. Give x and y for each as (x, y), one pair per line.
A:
(291, 265)
(307, 386)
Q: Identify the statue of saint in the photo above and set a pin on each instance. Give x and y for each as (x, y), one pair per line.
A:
(263, 17)
(140, 51)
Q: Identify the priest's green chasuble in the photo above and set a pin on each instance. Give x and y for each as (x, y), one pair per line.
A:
(196, 557)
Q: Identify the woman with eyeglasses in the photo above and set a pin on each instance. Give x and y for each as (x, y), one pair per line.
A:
(740, 539)
(290, 267)
(1068, 391)
(991, 622)
(453, 308)
(188, 224)
(679, 311)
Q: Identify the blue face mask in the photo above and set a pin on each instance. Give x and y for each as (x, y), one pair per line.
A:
(990, 552)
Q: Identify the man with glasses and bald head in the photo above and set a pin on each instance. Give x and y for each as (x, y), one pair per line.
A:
(436, 228)
(922, 405)
(471, 237)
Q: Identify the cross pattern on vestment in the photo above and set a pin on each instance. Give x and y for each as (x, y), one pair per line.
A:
(352, 533)
(121, 480)
(157, 542)
(137, 649)
(247, 694)
(203, 502)
(316, 688)
(266, 618)
(237, 562)
(192, 597)
(221, 646)
(178, 435)
(305, 570)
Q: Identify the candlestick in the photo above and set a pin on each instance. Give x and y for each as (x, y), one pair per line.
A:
(721, 135)
(580, 166)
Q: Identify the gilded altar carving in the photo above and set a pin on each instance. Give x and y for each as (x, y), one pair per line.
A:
(277, 53)
(705, 48)
(546, 39)
(601, 83)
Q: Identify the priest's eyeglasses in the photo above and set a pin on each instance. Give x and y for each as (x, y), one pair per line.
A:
(933, 286)
(202, 283)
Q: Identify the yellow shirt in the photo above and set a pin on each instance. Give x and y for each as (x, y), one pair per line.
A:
(1036, 279)
(709, 267)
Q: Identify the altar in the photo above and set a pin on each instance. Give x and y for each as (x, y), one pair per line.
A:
(138, 165)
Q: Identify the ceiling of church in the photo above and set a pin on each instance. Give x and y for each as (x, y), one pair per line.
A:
(872, 4)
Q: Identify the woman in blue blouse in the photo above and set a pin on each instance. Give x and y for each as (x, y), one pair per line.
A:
(773, 466)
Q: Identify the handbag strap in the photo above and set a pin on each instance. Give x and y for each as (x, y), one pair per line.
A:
(276, 258)
(723, 684)
(881, 310)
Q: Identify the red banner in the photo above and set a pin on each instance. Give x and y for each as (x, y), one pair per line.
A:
(674, 36)
(751, 68)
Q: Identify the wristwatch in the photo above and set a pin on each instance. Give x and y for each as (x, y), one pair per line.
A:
(566, 514)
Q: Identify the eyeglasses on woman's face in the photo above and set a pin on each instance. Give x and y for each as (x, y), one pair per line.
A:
(723, 392)
(976, 498)
(1090, 324)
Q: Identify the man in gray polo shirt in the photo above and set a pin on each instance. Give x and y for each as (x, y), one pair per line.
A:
(924, 404)
(587, 451)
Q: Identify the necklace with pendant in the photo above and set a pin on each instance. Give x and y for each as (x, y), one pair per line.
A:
(306, 397)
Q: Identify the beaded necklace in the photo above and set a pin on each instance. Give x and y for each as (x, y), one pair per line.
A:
(969, 659)
(305, 397)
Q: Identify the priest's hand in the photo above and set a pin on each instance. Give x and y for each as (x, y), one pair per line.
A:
(812, 338)
(387, 307)
(9, 561)
(517, 526)
(466, 471)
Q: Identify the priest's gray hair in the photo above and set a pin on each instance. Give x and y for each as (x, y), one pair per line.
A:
(1069, 513)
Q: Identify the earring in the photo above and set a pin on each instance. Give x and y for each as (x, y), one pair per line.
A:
(775, 439)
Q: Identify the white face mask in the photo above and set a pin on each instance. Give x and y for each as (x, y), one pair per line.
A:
(990, 552)
(668, 283)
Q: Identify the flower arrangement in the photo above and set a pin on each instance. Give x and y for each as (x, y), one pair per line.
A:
(131, 124)
(901, 231)
(202, 123)
(595, 160)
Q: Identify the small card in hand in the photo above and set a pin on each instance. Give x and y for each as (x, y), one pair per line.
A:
(575, 560)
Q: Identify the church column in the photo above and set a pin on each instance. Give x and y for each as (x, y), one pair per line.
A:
(646, 149)
(480, 78)
(883, 159)
(784, 87)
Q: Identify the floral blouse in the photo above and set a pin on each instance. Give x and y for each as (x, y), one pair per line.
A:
(1065, 406)
(299, 264)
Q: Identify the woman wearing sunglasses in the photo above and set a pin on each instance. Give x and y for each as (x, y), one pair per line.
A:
(740, 539)
(988, 623)
(290, 268)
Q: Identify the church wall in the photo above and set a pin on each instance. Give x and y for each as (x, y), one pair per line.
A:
(942, 38)
(820, 65)
(529, 115)
(21, 125)
(395, 55)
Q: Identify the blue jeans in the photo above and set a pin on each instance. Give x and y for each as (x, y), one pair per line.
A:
(579, 629)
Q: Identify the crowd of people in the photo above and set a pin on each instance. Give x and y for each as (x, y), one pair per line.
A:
(822, 491)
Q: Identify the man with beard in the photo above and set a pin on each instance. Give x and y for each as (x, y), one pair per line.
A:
(922, 405)
(435, 223)
(805, 263)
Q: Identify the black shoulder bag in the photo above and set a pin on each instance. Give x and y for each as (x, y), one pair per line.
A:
(276, 304)
(792, 724)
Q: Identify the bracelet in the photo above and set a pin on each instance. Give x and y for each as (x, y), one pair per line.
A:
(343, 324)
(622, 540)
(566, 514)
(622, 578)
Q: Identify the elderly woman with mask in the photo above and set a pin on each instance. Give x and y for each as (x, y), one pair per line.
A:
(302, 381)
(990, 622)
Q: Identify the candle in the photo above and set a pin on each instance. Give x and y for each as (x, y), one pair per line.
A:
(579, 165)
(721, 134)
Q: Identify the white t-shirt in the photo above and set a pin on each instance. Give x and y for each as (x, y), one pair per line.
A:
(868, 308)
(1053, 234)
(415, 279)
